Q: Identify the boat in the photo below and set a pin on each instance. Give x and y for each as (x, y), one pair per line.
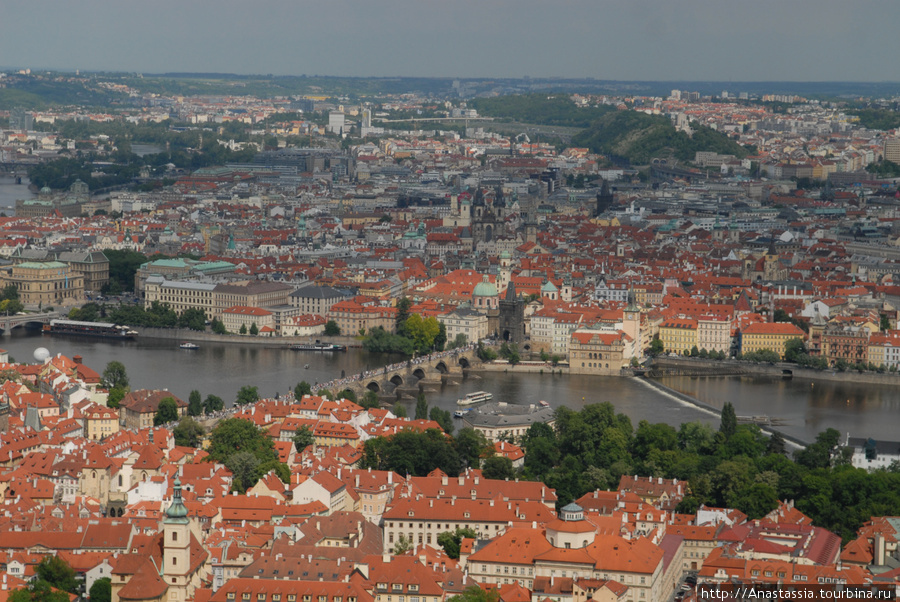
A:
(318, 347)
(189, 345)
(306, 367)
(460, 413)
(476, 397)
(543, 404)
(90, 329)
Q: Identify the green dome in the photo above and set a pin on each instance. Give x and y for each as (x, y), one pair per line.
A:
(485, 289)
(549, 288)
(177, 512)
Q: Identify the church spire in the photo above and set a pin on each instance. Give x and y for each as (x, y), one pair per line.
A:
(176, 512)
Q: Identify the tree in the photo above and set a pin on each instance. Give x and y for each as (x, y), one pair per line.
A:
(57, 573)
(101, 590)
(440, 341)
(332, 329)
(451, 540)
(656, 348)
(38, 591)
(213, 403)
(402, 546)
(247, 395)
(192, 318)
(421, 407)
(459, 341)
(423, 332)
(166, 412)
(403, 306)
(302, 388)
(728, 425)
(244, 466)
(498, 467)
(116, 394)
(477, 594)
(114, 376)
(472, 445)
(303, 438)
(242, 329)
(218, 327)
(443, 418)
(348, 394)
(369, 400)
(195, 403)
(254, 329)
(188, 433)
(399, 410)
(793, 350)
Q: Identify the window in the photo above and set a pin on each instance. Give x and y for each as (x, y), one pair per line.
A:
(174, 535)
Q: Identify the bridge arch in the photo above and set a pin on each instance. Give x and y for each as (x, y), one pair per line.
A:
(397, 380)
(419, 373)
(465, 362)
(374, 386)
(441, 367)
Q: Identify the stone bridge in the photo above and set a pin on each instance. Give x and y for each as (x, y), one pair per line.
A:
(408, 378)
(7, 323)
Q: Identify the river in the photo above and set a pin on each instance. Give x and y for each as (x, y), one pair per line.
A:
(10, 192)
(864, 410)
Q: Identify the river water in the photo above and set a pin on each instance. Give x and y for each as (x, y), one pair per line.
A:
(862, 409)
(10, 192)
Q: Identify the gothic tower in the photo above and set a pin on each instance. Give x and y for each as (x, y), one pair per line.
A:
(177, 547)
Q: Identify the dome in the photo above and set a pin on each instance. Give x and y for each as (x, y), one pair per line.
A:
(46, 190)
(485, 289)
(549, 287)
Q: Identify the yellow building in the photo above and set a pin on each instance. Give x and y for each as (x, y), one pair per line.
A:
(99, 422)
(47, 284)
(678, 335)
(772, 336)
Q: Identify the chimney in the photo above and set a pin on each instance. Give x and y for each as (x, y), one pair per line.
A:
(77, 359)
(390, 477)
(357, 481)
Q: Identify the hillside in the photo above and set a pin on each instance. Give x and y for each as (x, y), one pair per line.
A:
(639, 137)
(539, 109)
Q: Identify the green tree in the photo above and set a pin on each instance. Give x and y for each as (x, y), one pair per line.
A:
(498, 467)
(38, 591)
(369, 400)
(302, 388)
(656, 348)
(57, 573)
(402, 546)
(332, 329)
(451, 540)
(101, 590)
(166, 412)
(303, 438)
(403, 306)
(472, 445)
(247, 395)
(195, 403)
(423, 332)
(218, 327)
(443, 418)
(213, 403)
(440, 341)
(421, 407)
(254, 329)
(728, 425)
(459, 341)
(115, 376)
(793, 350)
(476, 594)
(245, 468)
(399, 410)
(242, 329)
(116, 394)
(188, 433)
(192, 318)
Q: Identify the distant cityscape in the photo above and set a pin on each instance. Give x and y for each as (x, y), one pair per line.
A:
(607, 229)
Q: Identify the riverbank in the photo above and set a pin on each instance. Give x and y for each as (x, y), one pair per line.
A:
(186, 334)
(790, 440)
(521, 367)
(675, 366)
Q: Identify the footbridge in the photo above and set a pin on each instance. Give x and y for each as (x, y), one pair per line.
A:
(406, 379)
(7, 323)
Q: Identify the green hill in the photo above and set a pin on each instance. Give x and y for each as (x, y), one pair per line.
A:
(640, 137)
(539, 109)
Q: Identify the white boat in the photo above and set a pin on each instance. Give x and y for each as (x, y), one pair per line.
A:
(476, 397)
(189, 345)
(459, 413)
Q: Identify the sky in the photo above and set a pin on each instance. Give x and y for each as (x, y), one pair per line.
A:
(655, 40)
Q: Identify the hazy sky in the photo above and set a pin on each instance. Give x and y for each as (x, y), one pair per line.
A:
(725, 40)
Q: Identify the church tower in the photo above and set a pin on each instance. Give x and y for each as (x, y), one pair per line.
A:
(512, 317)
(505, 274)
(604, 199)
(631, 322)
(177, 547)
